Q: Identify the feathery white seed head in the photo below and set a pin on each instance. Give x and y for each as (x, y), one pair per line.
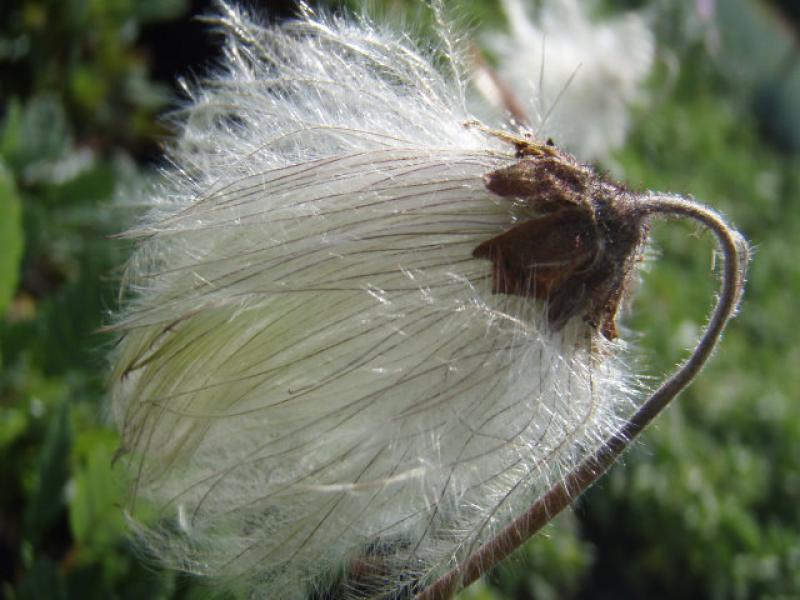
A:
(578, 77)
(315, 382)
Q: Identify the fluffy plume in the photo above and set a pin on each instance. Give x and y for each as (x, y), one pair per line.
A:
(577, 77)
(317, 389)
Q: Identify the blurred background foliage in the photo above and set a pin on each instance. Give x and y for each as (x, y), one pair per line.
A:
(705, 507)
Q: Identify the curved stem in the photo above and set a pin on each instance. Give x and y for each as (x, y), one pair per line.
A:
(736, 256)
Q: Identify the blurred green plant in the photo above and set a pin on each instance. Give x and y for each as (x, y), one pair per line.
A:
(77, 104)
(11, 234)
(705, 507)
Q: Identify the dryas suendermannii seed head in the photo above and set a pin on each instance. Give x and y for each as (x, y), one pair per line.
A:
(317, 382)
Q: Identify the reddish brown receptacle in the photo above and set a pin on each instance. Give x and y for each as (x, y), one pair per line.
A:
(578, 250)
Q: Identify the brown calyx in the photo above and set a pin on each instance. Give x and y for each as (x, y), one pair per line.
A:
(579, 250)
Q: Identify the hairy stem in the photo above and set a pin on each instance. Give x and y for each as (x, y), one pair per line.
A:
(736, 257)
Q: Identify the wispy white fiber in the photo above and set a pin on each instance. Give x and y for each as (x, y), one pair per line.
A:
(316, 387)
(578, 76)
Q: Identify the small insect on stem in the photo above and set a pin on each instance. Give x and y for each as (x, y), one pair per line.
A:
(579, 249)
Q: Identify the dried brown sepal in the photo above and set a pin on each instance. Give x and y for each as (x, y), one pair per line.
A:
(579, 249)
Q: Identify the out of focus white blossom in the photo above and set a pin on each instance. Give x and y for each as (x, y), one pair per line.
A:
(577, 76)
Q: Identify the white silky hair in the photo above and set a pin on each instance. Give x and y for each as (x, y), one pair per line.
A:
(313, 373)
(578, 76)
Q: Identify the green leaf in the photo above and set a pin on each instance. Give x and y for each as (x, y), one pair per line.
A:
(11, 239)
(95, 515)
(34, 132)
(47, 500)
(13, 423)
(42, 581)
